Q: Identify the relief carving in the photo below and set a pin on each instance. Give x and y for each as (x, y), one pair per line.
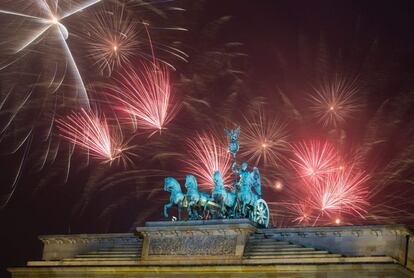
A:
(192, 245)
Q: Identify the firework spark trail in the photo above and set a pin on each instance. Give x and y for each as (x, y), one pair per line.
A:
(14, 114)
(51, 21)
(263, 139)
(146, 97)
(91, 133)
(4, 200)
(79, 8)
(112, 38)
(302, 212)
(335, 101)
(344, 191)
(314, 160)
(328, 186)
(208, 154)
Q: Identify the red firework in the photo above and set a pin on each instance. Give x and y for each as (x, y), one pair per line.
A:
(302, 212)
(314, 160)
(145, 97)
(343, 192)
(90, 132)
(208, 154)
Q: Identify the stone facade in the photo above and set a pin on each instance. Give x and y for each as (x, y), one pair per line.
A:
(193, 246)
(228, 248)
(195, 242)
(58, 247)
(395, 241)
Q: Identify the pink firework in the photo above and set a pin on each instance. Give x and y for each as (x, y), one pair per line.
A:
(146, 96)
(335, 101)
(302, 212)
(208, 154)
(314, 160)
(344, 191)
(90, 132)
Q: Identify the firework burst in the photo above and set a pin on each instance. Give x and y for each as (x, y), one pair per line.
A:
(327, 188)
(343, 192)
(92, 133)
(302, 212)
(208, 154)
(263, 139)
(146, 98)
(314, 160)
(112, 37)
(335, 101)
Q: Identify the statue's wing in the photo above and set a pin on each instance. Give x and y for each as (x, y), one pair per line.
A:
(237, 131)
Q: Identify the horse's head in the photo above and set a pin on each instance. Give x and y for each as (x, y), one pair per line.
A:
(190, 182)
(218, 180)
(171, 184)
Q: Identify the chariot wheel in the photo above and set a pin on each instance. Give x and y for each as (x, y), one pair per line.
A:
(261, 213)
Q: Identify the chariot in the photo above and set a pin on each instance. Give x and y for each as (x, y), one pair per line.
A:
(242, 200)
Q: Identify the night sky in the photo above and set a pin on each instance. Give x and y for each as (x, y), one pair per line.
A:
(241, 53)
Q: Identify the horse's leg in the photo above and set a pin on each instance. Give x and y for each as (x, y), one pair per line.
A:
(206, 214)
(179, 212)
(196, 211)
(230, 206)
(212, 213)
(234, 209)
(190, 210)
(166, 207)
(224, 208)
(205, 209)
(244, 209)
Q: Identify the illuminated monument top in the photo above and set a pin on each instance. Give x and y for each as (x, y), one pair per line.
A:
(227, 235)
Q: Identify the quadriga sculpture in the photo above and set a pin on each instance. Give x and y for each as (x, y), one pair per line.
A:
(243, 201)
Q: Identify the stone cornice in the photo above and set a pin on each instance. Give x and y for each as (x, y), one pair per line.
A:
(340, 231)
(86, 238)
